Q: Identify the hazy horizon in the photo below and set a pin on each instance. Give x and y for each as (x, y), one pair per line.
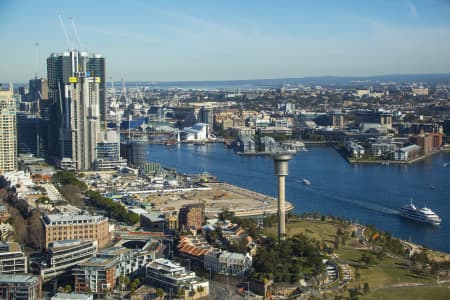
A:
(224, 41)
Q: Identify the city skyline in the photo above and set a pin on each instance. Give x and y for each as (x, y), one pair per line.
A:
(161, 41)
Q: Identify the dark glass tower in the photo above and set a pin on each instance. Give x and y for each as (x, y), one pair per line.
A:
(63, 69)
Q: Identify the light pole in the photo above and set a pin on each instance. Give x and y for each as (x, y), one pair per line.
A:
(248, 288)
(210, 285)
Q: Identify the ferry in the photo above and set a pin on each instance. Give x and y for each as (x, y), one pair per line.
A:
(306, 181)
(424, 215)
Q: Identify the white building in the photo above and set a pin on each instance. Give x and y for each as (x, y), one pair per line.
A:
(227, 263)
(407, 152)
(354, 149)
(63, 255)
(171, 276)
(198, 132)
(12, 259)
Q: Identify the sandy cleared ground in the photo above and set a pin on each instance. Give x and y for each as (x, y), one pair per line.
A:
(219, 197)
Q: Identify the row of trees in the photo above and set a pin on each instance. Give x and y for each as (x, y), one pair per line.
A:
(385, 240)
(113, 209)
(67, 177)
(26, 221)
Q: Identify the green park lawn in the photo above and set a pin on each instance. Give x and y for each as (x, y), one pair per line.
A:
(379, 273)
(323, 231)
(409, 293)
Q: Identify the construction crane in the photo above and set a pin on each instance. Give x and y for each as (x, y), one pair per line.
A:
(75, 31)
(66, 35)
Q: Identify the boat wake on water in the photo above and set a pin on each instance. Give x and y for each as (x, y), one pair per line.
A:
(357, 202)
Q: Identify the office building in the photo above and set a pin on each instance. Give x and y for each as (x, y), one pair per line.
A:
(206, 116)
(108, 151)
(191, 216)
(63, 255)
(59, 227)
(80, 129)
(172, 277)
(77, 108)
(12, 259)
(37, 89)
(20, 287)
(8, 133)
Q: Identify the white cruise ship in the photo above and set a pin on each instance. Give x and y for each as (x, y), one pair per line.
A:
(424, 215)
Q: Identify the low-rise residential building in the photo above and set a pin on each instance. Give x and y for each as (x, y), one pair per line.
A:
(354, 150)
(80, 226)
(227, 263)
(194, 248)
(20, 287)
(407, 153)
(245, 144)
(99, 273)
(380, 149)
(129, 262)
(63, 255)
(12, 259)
(95, 275)
(173, 278)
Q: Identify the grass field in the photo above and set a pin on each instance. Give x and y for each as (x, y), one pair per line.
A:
(379, 273)
(388, 271)
(324, 231)
(409, 293)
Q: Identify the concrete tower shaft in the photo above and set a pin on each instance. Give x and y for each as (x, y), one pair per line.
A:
(281, 170)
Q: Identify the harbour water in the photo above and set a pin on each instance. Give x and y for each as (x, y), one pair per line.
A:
(369, 194)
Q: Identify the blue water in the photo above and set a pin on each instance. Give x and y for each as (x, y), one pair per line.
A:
(369, 194)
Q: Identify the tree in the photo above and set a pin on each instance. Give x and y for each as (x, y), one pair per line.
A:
(36, 230)
(181, 293)
(135, 284)
(200, 289)
(159, 292)
(357, 274)
(72, 193)
(366, 287)
(124, 281)
(19, 224)
(68, 288)
(226, 215)
(336, 243)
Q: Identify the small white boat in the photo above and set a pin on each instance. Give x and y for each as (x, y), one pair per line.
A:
(306, 181)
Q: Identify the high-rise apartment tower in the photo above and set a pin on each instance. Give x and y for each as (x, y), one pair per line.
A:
(8, 131)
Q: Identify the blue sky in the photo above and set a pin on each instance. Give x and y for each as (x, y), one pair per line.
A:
(220, 40)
